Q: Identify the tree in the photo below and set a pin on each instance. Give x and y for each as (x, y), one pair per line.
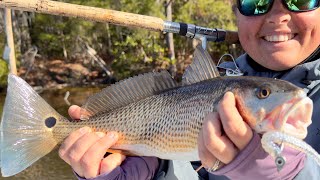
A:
(128, 51)
(170, 42)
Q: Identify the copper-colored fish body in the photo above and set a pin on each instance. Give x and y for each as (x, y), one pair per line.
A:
(167, 124)
(154, 115)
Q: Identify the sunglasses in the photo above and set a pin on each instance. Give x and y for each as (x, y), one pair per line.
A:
(259, 7)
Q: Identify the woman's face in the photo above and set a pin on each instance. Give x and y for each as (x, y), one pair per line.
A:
(280, 39)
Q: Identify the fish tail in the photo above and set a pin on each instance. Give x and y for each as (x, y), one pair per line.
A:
(26, 135)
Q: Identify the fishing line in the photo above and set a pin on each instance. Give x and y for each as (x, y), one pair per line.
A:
(314, 91)
(229, 71)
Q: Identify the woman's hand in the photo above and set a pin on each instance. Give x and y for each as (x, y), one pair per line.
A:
(84, 150)
(223, 134)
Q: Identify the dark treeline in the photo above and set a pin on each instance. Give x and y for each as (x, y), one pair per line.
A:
(64, 50)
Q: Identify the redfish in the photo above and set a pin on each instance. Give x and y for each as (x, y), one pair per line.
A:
(154, 115)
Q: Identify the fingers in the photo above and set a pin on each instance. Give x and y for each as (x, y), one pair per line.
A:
(236, 129)
(217, 143)
(92, 160)
(74, 112)
(69, 141)
(76, 153)
(111, 162)
(206, 157)
(224, 133)
(84, 151)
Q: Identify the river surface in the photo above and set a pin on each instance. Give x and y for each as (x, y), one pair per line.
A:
(51, 166)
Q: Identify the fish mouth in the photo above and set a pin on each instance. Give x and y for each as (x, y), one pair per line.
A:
(296, 117)
(292, 118)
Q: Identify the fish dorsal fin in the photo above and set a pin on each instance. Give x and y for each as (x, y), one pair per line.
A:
(127, 91)
(201, 68)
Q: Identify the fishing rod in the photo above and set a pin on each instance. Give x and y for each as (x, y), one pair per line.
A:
(123, 19)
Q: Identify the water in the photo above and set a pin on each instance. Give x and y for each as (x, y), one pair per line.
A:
(51, 166)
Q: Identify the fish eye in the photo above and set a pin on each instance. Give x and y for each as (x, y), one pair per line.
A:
(263, 92)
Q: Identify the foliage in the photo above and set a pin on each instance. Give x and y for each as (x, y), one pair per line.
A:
(206, 13)
(137, 54)
(53, 33)
(3, 73)
(3, 65)
(128, 51)
(2, 42)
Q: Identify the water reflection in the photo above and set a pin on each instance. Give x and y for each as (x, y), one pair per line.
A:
(51, 166)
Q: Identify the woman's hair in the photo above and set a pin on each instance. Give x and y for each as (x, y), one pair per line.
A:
(234, 7)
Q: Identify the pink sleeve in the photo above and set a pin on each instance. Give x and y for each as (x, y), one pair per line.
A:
(255, 163)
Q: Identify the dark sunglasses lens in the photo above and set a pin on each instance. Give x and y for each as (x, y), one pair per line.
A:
(302, 5)
(254, 7)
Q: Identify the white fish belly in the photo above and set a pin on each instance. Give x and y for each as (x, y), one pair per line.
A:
(145, 150)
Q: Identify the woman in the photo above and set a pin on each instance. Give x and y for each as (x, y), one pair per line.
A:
(281, 39)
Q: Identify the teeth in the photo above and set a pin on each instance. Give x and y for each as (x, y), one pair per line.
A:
(279, 38)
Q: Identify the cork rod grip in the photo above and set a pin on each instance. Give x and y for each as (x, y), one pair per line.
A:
(85, 12)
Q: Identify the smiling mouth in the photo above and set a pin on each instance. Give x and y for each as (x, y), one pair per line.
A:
(279, 38)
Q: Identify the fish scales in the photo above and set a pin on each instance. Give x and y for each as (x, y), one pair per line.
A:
(153, 115)
(169, 121)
